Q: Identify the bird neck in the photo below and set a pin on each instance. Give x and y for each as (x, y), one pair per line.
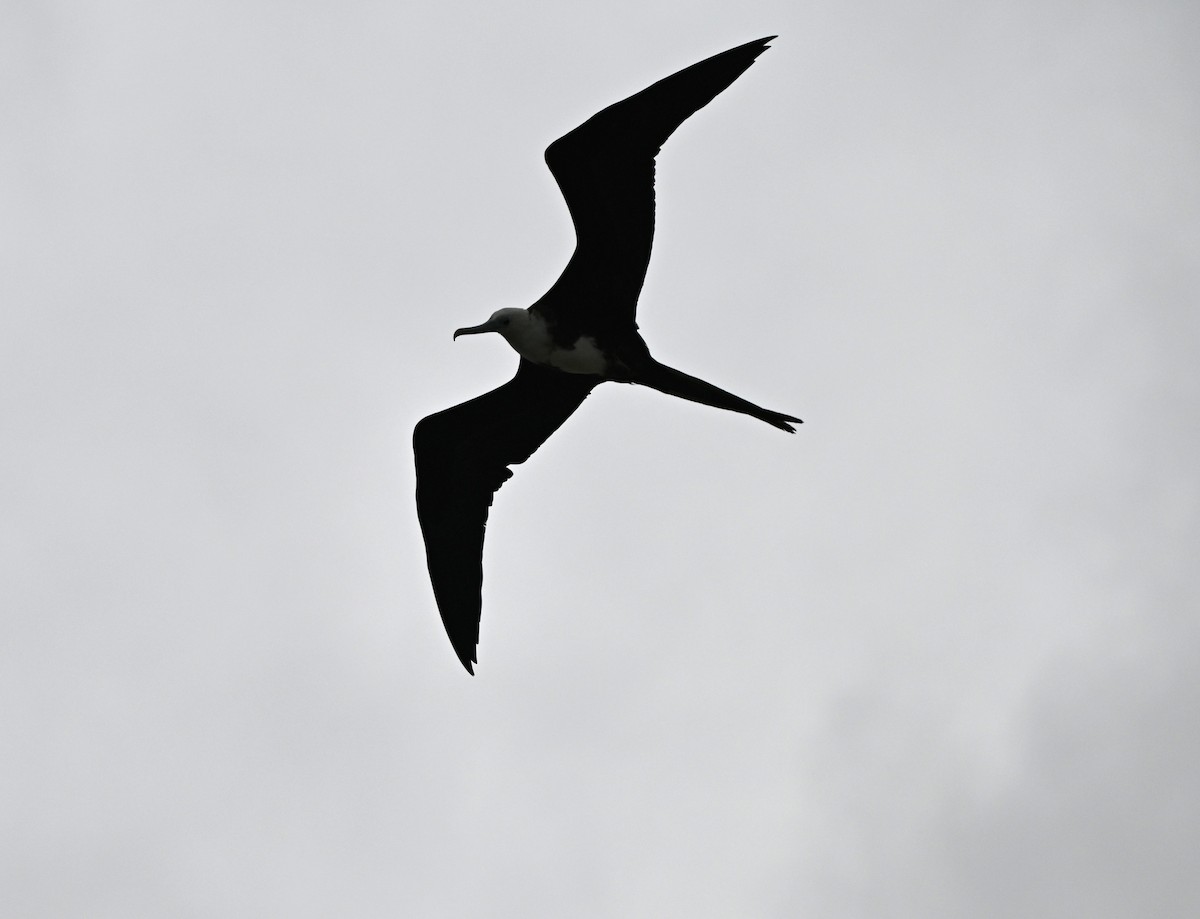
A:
(529, 336)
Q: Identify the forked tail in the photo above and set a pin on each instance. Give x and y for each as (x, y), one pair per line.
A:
(676, 383)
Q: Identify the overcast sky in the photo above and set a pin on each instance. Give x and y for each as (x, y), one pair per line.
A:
(934, 656)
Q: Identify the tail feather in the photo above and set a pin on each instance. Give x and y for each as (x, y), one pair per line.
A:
(676, 383)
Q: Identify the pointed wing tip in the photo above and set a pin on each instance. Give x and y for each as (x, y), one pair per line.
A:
(467, 660)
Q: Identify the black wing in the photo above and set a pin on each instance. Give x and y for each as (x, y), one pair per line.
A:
(605, 169)
(462, 456)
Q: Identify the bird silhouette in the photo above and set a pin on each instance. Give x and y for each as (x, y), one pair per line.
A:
(581, 333)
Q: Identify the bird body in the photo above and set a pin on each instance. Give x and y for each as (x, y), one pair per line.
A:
(581, 333)
(530, 336)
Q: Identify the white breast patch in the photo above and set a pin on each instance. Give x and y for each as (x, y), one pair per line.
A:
(583, 357)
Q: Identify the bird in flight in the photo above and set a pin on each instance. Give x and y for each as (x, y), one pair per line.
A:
(581, 333)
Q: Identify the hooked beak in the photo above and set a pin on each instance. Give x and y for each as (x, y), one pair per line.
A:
(488, 326)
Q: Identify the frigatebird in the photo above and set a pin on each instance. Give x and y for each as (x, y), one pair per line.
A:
(579, 334)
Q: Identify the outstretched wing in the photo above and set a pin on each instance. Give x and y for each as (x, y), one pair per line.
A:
(462, 458)
(605, 169)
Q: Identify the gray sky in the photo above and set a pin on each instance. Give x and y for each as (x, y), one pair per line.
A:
(934, 656)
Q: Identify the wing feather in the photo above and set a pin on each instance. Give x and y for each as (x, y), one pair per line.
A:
(605, 170)
(462, 457)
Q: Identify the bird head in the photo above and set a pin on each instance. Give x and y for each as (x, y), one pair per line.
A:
(505, 321)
